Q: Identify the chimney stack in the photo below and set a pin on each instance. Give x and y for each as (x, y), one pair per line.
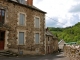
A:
(30, 2)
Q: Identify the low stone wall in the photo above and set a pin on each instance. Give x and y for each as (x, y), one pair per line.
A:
(73, 52)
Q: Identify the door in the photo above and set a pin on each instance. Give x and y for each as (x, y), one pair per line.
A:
(2, 39)
(48, 50)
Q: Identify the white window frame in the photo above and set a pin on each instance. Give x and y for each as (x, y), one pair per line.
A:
(34, 37)
(34, 21)
(24, 37)
(24, 18)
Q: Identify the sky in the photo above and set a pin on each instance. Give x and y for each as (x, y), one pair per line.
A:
(60, 13)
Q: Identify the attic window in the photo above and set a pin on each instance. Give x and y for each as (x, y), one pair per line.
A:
(21, 1)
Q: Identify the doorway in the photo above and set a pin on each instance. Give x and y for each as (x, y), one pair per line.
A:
(2, 39)
(48, 49)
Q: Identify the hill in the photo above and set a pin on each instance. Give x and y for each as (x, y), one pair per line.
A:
(69, 34)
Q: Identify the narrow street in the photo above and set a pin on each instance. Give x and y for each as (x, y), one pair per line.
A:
(56, 56)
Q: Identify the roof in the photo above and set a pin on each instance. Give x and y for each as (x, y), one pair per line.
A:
(24, 5)
(61, 41)
(49, 33)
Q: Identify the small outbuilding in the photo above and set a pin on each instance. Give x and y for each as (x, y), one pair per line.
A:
(51, 43)
(61, 44)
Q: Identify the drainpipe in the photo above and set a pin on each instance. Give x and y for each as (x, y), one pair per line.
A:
(45, 43)
(44, 36)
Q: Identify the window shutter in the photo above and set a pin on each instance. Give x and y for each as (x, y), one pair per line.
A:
(22, 19)
(21, 38)
(36, 22)
(37, 38)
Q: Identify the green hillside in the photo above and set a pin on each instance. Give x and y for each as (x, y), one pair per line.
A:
(69, 34)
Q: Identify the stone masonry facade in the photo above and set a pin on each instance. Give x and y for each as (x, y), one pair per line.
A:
(12, 28)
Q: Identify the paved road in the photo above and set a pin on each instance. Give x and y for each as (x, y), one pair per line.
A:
(56, 56)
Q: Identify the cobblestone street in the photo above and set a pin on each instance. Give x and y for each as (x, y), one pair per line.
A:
(56, 56)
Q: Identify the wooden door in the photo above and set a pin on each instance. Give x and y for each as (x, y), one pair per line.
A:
(2, 39)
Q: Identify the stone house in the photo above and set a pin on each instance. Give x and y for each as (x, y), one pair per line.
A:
(22, 27)
(51, 42)
(61, 44)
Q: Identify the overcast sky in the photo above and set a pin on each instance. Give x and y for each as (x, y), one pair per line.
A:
(60, 13)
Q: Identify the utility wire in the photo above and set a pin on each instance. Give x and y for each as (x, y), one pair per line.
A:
(55, 20)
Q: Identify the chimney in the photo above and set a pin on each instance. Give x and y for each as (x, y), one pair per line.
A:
(30, 2)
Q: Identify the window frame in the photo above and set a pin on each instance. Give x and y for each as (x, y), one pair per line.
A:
(34, 21)
(24, 18)
(22, 42)
(2, 20)
(35, 37)
(24, 37)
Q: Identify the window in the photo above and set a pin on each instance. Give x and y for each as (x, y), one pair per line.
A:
(21, 1)
(37, 38)
(21, 38)
(2, 35)
(2, 15)
(22, 19)
(36, 22)
(48, 38)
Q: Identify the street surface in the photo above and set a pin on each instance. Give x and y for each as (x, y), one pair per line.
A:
(55, 56)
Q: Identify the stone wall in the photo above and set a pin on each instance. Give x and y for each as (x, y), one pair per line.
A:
(55, 44)
(11, 19)
(51, 44)
(73, 52)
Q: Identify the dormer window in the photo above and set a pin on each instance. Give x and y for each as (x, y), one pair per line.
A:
(21, 1)
(25, 2)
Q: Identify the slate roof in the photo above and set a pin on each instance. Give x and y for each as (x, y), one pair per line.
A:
(49, 33)
(25, 5)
